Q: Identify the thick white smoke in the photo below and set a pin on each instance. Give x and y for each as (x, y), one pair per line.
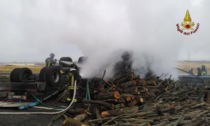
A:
(100, 29)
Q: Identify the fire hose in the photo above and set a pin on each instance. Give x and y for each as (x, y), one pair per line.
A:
(45, 113)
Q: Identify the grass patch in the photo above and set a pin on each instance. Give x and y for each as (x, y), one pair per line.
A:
(9, 68)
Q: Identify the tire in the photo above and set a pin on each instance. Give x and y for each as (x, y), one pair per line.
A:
(53, 76)
(20, 75)
(64, 59)
(42, 74)
(13, 74)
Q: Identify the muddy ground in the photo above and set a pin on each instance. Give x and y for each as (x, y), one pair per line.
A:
(28, 119)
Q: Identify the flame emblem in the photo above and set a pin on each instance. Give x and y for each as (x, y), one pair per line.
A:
(187, 24)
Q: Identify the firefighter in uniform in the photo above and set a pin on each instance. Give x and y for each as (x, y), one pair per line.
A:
(73, 75)
(203, 70)
(83, 85)
(50, 61)
(124, 66)
(199, 71)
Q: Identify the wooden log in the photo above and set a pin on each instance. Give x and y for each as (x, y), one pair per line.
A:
(131, 90)
(125, 78)
(76, 121)
(170, 98)
(154, 90)
(194, 123)
(129, 104)
(111, 100)
(108, 95)
(117, 106)
(127, 84)
(116, 112)
(139, 99)
(81, 117)
(110, 106)
(96, 120)
(136, 77)
(141, 83)
(127, 124)
(127, 97)
(75, 111)
(151, 82)
(121, 100)
(198, 105)
(180, 118)
(98, 116)
(152, 87)
(134, 102)
(142, 89)
(72, 122)
(142, 114)
(151, 95)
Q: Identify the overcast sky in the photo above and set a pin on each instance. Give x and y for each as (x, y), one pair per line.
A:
(32, 29)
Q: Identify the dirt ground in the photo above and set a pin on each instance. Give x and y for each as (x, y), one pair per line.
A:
(28, 119)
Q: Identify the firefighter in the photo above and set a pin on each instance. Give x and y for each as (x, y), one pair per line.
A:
(124, 66)
(203, 70)
(83, 85)
(50, 61)
(81, 62)
(199, 71)
(191, 71)
(72, 74)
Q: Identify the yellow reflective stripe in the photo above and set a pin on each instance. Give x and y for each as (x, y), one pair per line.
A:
(69, 99)
(48, 62)
(72, 80)
(71, 87)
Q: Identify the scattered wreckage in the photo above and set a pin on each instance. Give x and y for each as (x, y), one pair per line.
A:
(26, 86)
(124, 101)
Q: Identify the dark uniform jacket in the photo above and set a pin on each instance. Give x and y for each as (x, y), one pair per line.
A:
(49, 62)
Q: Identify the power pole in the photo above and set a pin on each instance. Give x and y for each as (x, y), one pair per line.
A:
(188, 56)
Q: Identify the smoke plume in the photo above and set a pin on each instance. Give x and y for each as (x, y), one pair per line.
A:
(99, 29)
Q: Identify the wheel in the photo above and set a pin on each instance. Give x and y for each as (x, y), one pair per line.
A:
(68, 59)
(13, 74)
(53, 76)
(20, 74)
(42, 74)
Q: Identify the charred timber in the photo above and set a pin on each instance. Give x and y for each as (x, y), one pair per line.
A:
(110, 106)
(107, 95)
(116, 112)
(131, 90)
(127, 97)
(125, 78)
(128, 84)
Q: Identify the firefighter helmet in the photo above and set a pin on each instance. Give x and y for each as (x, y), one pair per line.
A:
(52, 55)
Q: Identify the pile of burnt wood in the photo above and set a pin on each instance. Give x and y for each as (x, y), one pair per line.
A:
(132, 101)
